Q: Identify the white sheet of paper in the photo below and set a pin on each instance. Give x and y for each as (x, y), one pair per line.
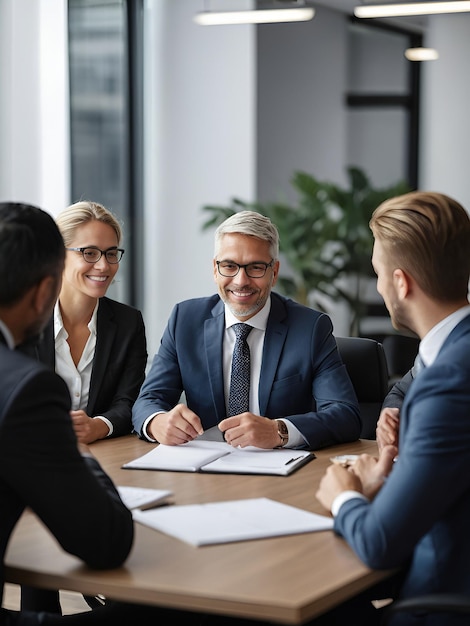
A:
(185, 457)
(142, 497)
(260, 461)
(233, 520)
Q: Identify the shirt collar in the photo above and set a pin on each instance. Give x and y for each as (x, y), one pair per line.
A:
(59, 324)
(432, 342)
(260, 320)
(7, 334)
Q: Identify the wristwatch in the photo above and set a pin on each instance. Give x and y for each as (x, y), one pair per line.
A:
(282, 432)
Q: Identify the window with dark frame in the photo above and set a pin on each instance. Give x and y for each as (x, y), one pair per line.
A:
(105, 132)
(383, 100)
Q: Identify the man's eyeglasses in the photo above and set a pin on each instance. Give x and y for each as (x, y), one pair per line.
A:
(92, 254)
(229, 269)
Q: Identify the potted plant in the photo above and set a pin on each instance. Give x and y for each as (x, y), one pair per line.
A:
(325, 237)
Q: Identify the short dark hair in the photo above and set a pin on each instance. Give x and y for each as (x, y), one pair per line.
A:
(31, 248)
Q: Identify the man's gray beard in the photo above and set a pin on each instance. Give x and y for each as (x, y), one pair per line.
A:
(245, 312)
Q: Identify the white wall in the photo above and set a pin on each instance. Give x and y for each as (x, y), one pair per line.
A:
(445, 133)
(34, 155)
(302, 74)
(200, 105)
(201, 124)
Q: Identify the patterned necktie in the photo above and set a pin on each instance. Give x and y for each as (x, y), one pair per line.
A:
(238, 401)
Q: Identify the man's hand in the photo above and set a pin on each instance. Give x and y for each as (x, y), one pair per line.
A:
(366, 475)
(372, 472)
(248, 429)
(387, 427)
(336, 480)
(179, 425)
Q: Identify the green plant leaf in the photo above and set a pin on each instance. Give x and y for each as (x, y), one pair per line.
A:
(324, 236)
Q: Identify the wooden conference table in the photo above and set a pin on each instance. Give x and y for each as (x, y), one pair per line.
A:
(284, 579)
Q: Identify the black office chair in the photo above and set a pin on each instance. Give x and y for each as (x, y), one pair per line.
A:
(436, 603)
(367, 367)
(400, 352)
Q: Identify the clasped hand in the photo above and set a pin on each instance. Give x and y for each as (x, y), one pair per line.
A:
(365, 476)
(181, 425)
(388, 426)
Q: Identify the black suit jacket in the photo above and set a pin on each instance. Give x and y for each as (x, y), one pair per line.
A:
(118, 366)
(41, 468)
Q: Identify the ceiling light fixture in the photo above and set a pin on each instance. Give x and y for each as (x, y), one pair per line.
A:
(421, 54)
(260, 16)
(411, 8)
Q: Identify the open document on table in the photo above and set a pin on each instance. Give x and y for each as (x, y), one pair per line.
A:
(202, 455)
(233, 520)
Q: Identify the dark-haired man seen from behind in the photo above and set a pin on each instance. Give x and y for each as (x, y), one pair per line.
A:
(41, 464)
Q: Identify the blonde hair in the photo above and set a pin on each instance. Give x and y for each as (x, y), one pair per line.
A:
(81, 213)
(426, 234)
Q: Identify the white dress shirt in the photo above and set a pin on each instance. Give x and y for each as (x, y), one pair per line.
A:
(255, 342)
(77, 377)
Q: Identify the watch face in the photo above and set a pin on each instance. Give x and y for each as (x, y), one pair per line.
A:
(282, 431)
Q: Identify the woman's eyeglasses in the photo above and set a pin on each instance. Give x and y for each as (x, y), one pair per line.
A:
(93, 254)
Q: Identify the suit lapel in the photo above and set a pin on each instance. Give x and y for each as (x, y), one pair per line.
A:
(462, 328)
(275, 336)
(105, 335)
(213, 341)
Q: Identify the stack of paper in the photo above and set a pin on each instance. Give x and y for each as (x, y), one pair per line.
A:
(235, 520)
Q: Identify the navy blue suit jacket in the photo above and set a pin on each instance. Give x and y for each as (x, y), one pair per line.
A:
(302, 376)
(421, 517)
(118, 365)
(41, 468)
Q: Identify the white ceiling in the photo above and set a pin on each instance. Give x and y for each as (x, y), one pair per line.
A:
(347, 6)
(417, 23)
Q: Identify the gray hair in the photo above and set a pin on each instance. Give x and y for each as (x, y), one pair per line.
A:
(249, 223)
